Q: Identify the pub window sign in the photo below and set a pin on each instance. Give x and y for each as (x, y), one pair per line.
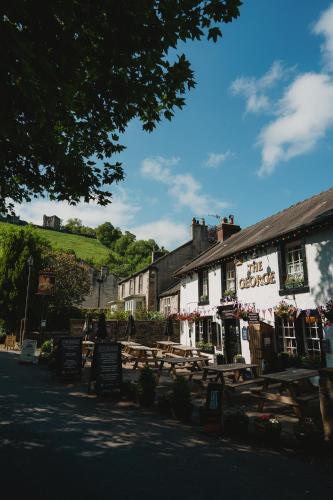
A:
(262, 279)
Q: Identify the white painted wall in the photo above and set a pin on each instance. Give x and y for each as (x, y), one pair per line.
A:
(319, 255)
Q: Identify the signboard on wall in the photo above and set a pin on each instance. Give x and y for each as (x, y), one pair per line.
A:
(253, 317)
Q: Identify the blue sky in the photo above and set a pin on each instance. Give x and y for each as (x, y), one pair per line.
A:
(256, 134)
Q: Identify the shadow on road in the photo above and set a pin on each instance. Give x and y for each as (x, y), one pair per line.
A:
(57, 442)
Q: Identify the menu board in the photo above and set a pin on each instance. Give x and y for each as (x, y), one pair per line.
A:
(106, 368)
(69, 356)
(28, 351)
(253, 317)
(214, 406)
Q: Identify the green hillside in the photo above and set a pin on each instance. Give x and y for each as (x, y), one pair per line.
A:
(85, 248)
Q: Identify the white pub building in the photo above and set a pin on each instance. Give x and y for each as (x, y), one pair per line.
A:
(256, 292)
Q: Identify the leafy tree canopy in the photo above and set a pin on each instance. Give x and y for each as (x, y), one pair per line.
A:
(16, 247)
(75, 72)
(108, 234)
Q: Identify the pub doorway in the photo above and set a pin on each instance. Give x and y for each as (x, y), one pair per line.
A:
(231, 339)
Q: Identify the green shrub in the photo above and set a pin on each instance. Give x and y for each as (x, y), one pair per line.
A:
(47, 347)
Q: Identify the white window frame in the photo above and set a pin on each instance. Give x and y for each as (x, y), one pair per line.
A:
(230, 277)
(141, 283)
(287, 336)
(295, 260)
(167, 306)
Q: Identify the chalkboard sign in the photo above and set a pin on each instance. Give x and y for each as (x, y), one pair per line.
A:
(106, 368)
(28, 351)
(213, 409)
(69, 356)
(253, 317)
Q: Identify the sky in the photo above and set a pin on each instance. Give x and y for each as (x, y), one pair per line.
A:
(255, 136)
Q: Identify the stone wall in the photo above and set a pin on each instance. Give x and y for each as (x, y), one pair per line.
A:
(147, 332)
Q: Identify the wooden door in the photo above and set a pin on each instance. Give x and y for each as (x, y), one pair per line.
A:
(261, 343)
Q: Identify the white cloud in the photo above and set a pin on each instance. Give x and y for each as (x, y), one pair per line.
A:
(324, 27)
(120, 212)
(305, 112)
(164, 231)
(186, 190)
(255, 89)
(214, 160)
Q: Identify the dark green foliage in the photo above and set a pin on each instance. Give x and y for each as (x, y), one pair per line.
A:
(107, 234)
(16, 247)
(146, 387)
(76, 72)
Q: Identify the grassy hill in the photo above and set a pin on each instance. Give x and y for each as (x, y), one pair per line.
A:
(85, 248)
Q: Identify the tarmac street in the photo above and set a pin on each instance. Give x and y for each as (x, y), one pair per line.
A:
(58, 443)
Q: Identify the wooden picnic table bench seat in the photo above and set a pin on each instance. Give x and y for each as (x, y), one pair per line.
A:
(279, 398)
(236, 385)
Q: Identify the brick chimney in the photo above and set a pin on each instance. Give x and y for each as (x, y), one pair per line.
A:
(199, 234)
(226, 228)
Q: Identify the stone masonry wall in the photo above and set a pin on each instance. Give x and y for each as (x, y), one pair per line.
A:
(147, 332)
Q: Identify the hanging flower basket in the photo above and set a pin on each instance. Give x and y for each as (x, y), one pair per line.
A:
(327, 311)
(192, 317)
(284, 310)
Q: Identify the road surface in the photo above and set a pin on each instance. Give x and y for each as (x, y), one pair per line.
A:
(56, 443)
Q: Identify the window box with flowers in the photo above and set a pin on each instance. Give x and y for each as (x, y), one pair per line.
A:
(206, 347)
(294, 281)
(229, 295)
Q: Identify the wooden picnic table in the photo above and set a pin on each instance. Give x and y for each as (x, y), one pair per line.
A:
(295, 382)
(127, 343)
(238, 370)
(184, 350)
(194, 363)
(143, 354)
(165, 345)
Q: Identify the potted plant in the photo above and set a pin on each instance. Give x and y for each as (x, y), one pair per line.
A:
(45, 354)
(203, 298)
(284, 310)
(229, 294)
(181, 399)
(146, 387)
(164, 405)
(206, 347)
(267, 427)
(294, 281)
(235, 421)
(128, 391)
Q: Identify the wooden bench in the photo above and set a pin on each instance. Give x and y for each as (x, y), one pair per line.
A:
(288, 400)
(236, 385)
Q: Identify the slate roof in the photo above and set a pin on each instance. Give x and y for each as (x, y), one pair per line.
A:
(172, 290)
(308, 213)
